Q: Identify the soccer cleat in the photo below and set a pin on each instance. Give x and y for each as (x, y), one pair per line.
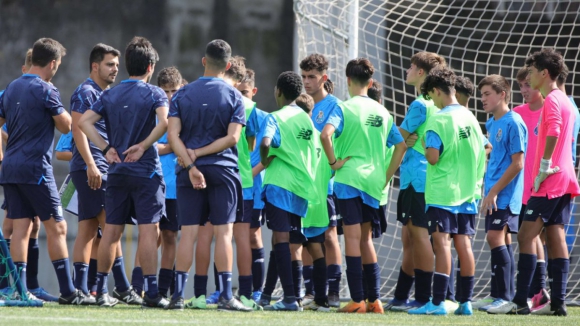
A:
(313, 306)
(176, 304)
(333, 299)
(250, 303)
(158, 302)
(496, 303)
(307, 299)
(129, 297)
(41, 294)
(548, 310)
(540, 299)
(375, 307)
(77, 298)
(451, 306)
(196, 303)
(256, 295)
(510, 308)
(105, 300)
(464, 309)
(394, 302)
(282, 306)
(408, 306)
(354, 307)
(430, 309)
(482, 303)
(232, 305)
(214, 298)
(265, 300)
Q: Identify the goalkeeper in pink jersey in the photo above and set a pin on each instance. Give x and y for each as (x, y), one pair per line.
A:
(554, 186)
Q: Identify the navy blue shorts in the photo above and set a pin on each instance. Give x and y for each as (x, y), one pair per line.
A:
(170, 223)
(280, 220)
(332, 215)
(91, 202)
(411, 206)
(130, 196)
(522, 215)
(353, 211)
(219, 203)
(257, 218)
(316, 239)
(499, 219)
(248, 211)
(4, 204)
(463, 224)
(28, 201)
(555, 211)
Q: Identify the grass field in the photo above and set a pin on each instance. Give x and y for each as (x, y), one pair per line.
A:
(125, 315)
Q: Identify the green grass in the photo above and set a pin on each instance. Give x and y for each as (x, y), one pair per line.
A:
(124, 315)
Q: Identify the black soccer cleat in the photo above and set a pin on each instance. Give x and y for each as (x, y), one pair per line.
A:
(158, 302)
(77, 298)
(105, 300)
(176, 304)
(129, 297)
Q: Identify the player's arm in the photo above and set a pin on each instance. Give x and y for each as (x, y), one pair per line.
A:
(517, 165)
(178, 147)
(164, 149)
(553, 120)
(135, 152)
(257, 169)
(82, 144)
(218, 145)
(251, 130)
(265, 150)
(415, 117)
(87, 125)
(62, 122)
(433, 147)
(64, 156)
(395, 138)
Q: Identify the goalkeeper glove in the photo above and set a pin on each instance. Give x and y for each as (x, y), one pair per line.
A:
(545, 171)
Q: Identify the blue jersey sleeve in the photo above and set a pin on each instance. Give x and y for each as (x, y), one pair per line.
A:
(252, 125)
(271, 130)
(98, 107)
(53, 102)
(159, 98)
(239, 115)
(83, 101)
(64, 143)
(394, 136)
(415, 117)
(517, 139)
(336, 119)
(432, 140)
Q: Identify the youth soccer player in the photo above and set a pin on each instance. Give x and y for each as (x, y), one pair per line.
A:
(254, 122)
(363, 130)
(314, 71)
(554, 186)
(26, 174)
(88, 169)
(464, 90)
(306, 103)
(417, 264)
(451, 133)
(504, 181)
(206, 120)
(561, 86)
(135, 182)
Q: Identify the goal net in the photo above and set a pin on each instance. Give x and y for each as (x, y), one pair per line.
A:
(477, 38)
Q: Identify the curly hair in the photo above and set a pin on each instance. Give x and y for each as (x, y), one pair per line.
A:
(290, 84)
(314, 61)
(443, 79)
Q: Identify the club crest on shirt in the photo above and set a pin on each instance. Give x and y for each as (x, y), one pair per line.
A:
(498, 135)
(536, 129)
(320, 117)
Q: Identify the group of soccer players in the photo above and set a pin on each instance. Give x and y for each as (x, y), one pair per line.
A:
(200, 159)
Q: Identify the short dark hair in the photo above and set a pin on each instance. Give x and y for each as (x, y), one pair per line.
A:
(314, 61)
(250, 77)
(169, 76)
(360, 70)
(427, 61)
(548, 59)
(218, 53)
(290, 84)
(498, 84)
(329, 86)
(306, 102)
(45, 50)
(139, 54)
(28, 59)
(441, 78)
(522, 74)
(464, 85)
(563, 76)
(98, 53)
(237, 70)
(376, 91)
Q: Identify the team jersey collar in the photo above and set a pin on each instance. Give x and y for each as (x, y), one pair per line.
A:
(31, 75)
(132, 81)
(451, 107)
(94, 84)
(210, 78)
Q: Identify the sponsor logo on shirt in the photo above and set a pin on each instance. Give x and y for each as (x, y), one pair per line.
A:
(464, 133)
(305, 134)
(374, 121)
(498, 135)
(320, 117)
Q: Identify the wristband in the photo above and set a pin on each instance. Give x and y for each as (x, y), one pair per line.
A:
(190, 166)
(333, 163)
(106, 149)
(545, 165)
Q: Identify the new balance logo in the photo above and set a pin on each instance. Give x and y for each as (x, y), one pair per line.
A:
(374, 121)
(83, 269)
(60, 267)
(77, 301)
(529, 212)
(464, 132)
(496, 221)
(305, 134)
(260, 260)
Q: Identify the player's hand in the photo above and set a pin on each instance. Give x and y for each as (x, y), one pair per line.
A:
(192, 155)
(489, 203)
(134, 153)
(112, 156)
(94, 177)
(197, 179)
(411, 140)
(544, 173)
(180, 162)
(339, 163)
(268, 161)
